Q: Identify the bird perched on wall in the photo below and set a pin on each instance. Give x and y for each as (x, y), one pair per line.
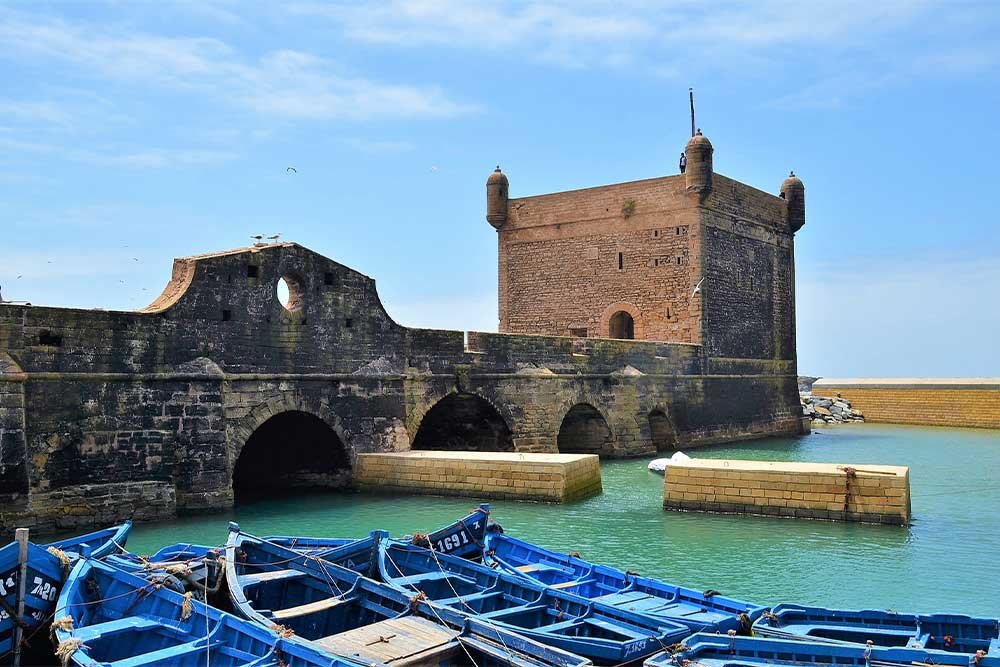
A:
(258, 237)
(697, 288)
(274, 238)
(291, 169)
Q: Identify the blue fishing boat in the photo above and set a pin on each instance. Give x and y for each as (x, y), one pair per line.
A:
(698, 610)
(712, 650)
(342, 612)
(461, 538)
(106, 616)
(603, 633)
(952, 633)
(183, 567)
(45, 567)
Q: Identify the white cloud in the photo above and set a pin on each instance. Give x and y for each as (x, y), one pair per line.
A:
(109, 157)
(284, 83)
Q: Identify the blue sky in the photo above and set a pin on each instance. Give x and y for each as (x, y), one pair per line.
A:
(133, 132)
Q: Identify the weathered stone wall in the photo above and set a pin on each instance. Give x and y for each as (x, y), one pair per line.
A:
(963, 402)
(145, 414)
(866, 493)
(570, 260)
(543, 477)
(749, 286)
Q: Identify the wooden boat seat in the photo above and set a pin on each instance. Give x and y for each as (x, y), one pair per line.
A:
(127, 624)
(570, 584)
(409, 640)
(175, 655)
(426, 576)
(270, 575)
(542, 567)
(305, 609)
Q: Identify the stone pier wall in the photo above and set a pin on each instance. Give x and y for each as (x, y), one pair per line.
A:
(847, 492)
(964, 402)
(497, 475)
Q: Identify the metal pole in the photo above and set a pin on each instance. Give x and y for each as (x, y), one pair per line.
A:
(691, 97)
(21, 537)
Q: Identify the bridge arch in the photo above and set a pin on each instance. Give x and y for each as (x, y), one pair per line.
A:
(464, 422)
(662, 432)
(585, 430)
(286, 444)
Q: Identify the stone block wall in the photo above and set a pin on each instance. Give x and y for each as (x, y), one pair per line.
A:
(963, 402)
(570, 260)
(848, 492)
(496, 475)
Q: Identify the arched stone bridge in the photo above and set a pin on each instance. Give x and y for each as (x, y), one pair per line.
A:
(217, 388)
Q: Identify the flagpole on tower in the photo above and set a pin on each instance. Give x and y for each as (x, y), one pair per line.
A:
(691, 97)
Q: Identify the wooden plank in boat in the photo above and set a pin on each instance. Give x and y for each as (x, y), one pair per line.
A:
(409, 641)
(308, 608)
(566, 584)
(271, 575)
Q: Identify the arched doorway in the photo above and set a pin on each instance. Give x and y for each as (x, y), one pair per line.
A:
(621, 325)
(584, 431)
(292, 450)
(661, 431)
(464, 422)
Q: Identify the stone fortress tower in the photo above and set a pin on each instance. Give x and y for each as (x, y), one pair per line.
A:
(692, 258)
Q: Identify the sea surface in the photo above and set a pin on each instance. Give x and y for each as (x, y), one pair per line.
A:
(948, 559)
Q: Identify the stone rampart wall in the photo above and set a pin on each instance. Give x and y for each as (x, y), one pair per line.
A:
(963, 402)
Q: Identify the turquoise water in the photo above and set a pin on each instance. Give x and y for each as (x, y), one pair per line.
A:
(947, 560)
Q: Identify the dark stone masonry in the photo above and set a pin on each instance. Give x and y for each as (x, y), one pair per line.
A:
(217, 390)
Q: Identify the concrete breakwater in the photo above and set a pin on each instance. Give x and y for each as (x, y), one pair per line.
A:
(966, 402)
(822, 410)
(863, 493)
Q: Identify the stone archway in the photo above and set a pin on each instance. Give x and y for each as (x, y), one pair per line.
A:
(662, 433)
(584, 430)
(621, 326)
(292, 450)
(464, 422)
(623, 321)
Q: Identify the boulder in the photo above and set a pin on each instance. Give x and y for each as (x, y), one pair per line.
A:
(821, 410)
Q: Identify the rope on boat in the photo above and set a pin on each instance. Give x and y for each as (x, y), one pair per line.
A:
(67, 648)
(710, 592)
(63, 557)
(415, 600)
(186, 606)
(283, 631)
(65, 624)
(746, 625)
(431, 606)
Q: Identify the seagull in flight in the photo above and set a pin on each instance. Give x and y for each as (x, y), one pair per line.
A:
(292, 169)
(434, 167)
(697, 288)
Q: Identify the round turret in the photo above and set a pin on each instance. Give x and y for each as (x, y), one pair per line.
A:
(496, 198)
(794, 194)
(699, 164)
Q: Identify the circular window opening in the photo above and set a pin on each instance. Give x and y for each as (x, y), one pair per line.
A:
(290, 293)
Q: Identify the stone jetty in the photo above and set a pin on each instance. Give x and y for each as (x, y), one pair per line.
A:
(822, 410)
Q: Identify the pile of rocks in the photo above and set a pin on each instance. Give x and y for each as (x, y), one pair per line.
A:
(829, 410)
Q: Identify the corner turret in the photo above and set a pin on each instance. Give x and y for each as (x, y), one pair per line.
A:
(699, 164)
(496, 198)
(794, 194)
